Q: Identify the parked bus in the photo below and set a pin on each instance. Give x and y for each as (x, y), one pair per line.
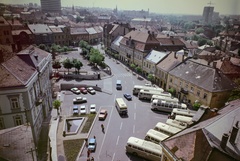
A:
(183, 112)
(158, 96)
(147, 94)
(166, 129)
(155, 136)
(167, 99)
(184, 119)
(144, 149)
(177, 124)
(121, 106)
(164, 106)
(137, 88)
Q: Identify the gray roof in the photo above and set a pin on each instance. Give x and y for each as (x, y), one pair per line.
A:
(206, 77)
(156, 56)
(91, 30)
(39, 29)
(75, 31)
(117, 40)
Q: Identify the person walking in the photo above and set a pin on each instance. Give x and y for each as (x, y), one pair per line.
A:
(88, 153)
(102, 126)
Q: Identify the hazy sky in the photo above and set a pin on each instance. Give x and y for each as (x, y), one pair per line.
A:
(157, 6)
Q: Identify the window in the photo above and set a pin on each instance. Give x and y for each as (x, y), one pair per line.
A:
(18, 120)
(171, 80)
(205, 96)
(180, 83)
(2, 123)
(192, 89)
(14, 103)
(198, 93)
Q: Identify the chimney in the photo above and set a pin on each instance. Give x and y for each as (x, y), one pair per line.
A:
(234, 134)
(1, 56)
(224, 140)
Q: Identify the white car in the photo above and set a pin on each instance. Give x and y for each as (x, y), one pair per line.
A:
(79, 100)
(93, 108)
(83, 109)
(91, 90)
(75, 90)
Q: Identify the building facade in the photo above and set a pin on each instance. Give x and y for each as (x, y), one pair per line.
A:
(53, 6)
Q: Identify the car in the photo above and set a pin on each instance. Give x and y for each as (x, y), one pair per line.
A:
(92, 143)
(83, 90)
(93, 108)
(91, 90)
(79, 100)
(75, 109)
(83, 109)
(127, 96)
(102, 114)
(75, 90)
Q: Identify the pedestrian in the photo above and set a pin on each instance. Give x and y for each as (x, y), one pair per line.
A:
(88, 153)
(102, 128)
(86, 140)
(94, 137)
(92, 159)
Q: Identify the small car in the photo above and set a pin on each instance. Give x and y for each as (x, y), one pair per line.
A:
(91, 90)
(79, 100)
(93, 108)
(75, 109)
(83, 90)
(83, 110)
(92, 144)
(103, 114)
(75, 90)
(127, 96)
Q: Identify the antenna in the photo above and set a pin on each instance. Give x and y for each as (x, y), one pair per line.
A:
(210, 3)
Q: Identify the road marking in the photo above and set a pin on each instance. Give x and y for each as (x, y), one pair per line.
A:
(133, 128)
(121, 126)
(117, 140)
(134, 116)
(113, 157)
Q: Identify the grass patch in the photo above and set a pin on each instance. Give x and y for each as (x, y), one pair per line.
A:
(88, 123)
(72, 148)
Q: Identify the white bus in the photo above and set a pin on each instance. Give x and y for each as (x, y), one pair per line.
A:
(177, 124)
(158, 96)
(121, 106)
(155, 136)
(144, 149)
(164, 106)
(167, 99)
(183, 112)
(137, 88)
(166, 129)
(147, 94)
(184, 119)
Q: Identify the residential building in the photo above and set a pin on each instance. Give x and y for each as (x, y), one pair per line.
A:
(99, 31)
(78, 34)
(93, 35)
(25, 90)
(52, 6)
(5, 32)
(216, 138)
(16, 24)
(194, 81)
(22, 36)
(115, 46)
(171, 43)
(60, 34)
(135, 46)
(42, 34)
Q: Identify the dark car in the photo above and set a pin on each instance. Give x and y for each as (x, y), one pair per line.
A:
(83, 90)
(127, 96)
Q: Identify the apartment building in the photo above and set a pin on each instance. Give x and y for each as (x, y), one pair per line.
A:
(60, 34)
(42, 34)
(5, 32)
(25, 89)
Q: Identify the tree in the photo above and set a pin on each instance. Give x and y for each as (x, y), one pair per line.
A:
(43, 47)
(77, 65)
(202, 41)
(133, 66)
(56, 64)
(172, 91)
(56, 105)
(83, 44)
(196, 105)
(96, 57)
(79, 19)
(138, 69)
(151, 77)
(199, 30)
(67, 63)
(235, 94)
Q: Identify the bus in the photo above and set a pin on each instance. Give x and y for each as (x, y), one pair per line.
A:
(166, 129)
(184, 119)
(137, 88)
(144, 149)
(158, 96)
(147, 94)
(164, 106)
(121, 106)
(183, 112)
(155, 136)
(167, 99)
(177, 124)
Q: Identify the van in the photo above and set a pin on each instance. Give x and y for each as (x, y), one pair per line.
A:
(119, 85)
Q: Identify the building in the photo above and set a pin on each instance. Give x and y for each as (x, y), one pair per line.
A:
(25, 89)
(216, 138)
(194, 81)
(207, 14)
(93, 35)
(42, 34)
(52, 6)
(61, 34)
(5, 32)
(78, 34)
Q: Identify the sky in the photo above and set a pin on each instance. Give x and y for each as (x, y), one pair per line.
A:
(194, 7)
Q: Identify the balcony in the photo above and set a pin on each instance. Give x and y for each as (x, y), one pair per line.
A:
(184, 91)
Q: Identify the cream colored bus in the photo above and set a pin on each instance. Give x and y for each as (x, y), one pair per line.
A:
(177, 124)
(144, 149)
(183, 112)
(137, 88)
(184, 119)
(165, 106)
(155, 136)
(166, 129)
(121, 106)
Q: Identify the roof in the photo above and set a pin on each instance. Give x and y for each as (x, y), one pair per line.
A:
(115, 26)
(3, 22)
(156, 56)
(117, 40)
(17, 32)
(75, 31)
(189, 143)
(170, 41)
(206, 77)
(98, 29)
(141, 19)
(39, 28)
(91, 30)
(56, 30)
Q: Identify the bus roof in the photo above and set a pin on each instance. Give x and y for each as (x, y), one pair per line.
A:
(156, 134)
(186, 112)
(145, 145)
(121, 103)
(176, 123)
(185, 119)
(148, 88)
(168, 99)
(167, 128)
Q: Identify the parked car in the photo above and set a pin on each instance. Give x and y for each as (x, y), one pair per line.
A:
(83, 90)
(92, 143)
(103, 114)
(75, 90)
(93, 108)
(83, 109)
(75, 109)
(91, 90)
(127, 96)
(79, 100)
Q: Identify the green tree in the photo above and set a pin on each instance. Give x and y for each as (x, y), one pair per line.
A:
(77, 64)
(43, 47)
(202, 41)
(96, 57)
(133, 66)
(138, 69)
(199, 30)
(83, 44)
(67, 63)
(172, 91)
(56, 105)
(56, 64)
(196, 105)
(151, 77)
(79, 19)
